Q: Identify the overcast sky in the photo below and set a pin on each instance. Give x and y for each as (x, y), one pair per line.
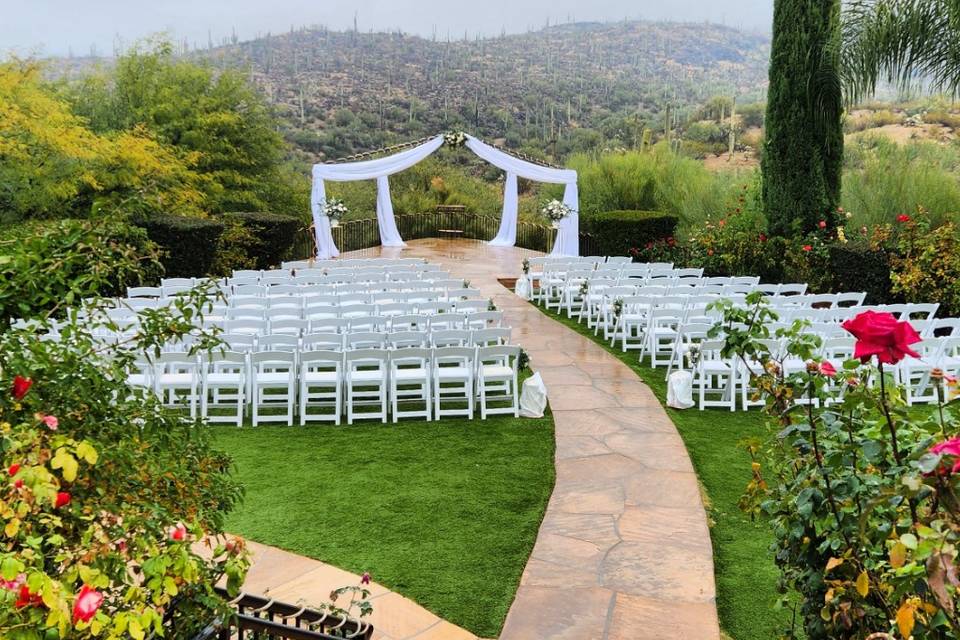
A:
(54, 27)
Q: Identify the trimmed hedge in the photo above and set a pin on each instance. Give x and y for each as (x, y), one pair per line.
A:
(617, 232)
(274, 233)
(862, 269)
(189, 244)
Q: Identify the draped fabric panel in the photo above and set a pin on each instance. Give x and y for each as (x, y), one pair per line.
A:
(507, 235)
(568, 236)
(365, 170)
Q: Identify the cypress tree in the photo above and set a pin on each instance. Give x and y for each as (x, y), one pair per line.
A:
(803, 154)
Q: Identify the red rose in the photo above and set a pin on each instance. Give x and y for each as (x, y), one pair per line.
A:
(12, 470)
(86, 604)
(807, 247)
(882, 335)
(365, 578)
(823, 224)
(63, 499)
(27, 599)
(763, 237)
(20, 387)
(903, 218)
(18, 483)
(177, 532)
(827, 369)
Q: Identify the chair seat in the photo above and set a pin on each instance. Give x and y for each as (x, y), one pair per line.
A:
(176, 379)
(366, 376)
(224, 379)
(715, 366)
(497, 371)
(320, 376)
(274, 378)
(453, 373)
(417, 373)
(138, 380)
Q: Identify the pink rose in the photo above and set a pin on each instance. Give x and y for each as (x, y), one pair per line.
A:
(86, 604)
(882, 335)
(827, 369)
(51, 422)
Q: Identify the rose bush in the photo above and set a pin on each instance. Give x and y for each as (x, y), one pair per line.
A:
(861, 495)
(107, 498)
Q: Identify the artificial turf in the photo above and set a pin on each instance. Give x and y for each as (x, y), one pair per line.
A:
(746, 576)
(445, 513)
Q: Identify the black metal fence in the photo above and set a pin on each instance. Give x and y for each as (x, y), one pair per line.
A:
(261, 618)
(363, 234)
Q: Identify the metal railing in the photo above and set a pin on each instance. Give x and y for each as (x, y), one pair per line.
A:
(262, 618)
(354, 235)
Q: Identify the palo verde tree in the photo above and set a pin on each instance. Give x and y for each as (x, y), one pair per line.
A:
(803, 154)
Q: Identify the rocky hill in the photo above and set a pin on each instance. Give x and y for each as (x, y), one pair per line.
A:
(556, 90)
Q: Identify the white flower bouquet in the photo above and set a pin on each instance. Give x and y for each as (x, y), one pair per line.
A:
(334, 209)
(455, 139)
(555, 211)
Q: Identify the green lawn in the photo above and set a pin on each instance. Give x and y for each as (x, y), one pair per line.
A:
(745, 573)
(445, 512)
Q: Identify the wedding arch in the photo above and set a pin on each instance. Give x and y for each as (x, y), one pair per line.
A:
(568, 236)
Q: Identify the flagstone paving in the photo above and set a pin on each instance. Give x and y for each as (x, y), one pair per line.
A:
(624, 551)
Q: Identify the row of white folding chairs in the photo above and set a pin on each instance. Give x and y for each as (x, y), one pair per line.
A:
(343, 263)
(352, 340)
(298, 326)
(274, 380)
(298, 288)
(717, 380)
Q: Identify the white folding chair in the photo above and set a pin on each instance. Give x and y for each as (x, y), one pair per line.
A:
(273, 382)
(453, 380)
(715, 376)
(224, 385)
(410, 382)
(497, 380)
(178, 372)
(321, 377)
(366, 383)
(490, 337)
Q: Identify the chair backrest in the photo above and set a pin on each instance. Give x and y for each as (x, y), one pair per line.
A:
(410, 357)
(366, 359)
(453, 356)
(278, 342)
(273, 360)
(239, 342)
(219, 360)
(408, 339)
(485, 319)
(289, 326)
(792, 289)
(249, 325)
(448, 320)
(247, 302)
(144, 292)
(450, 338)
(249, 290)
(367, 323)
(490, 337)
(499, 354)
(366, 340)
(246, 313)
(324, 341)
(329, 325)
(409, 322)
(321, 360)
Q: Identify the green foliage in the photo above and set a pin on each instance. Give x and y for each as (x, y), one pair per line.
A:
(658, 180)
(617, 232)
(803, 149)
(46, 267)
(274, 234)
(189, 244)
(53, 166)
(884, 179)
(217, 118)
(926, 263)
(859, 267)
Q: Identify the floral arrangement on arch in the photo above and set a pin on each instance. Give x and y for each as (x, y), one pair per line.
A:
(555, 211)
(334, 209)
(454, 139)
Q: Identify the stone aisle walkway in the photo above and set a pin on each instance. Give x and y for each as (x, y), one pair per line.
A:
(624, 551)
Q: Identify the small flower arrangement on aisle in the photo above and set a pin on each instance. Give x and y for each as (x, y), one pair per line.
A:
(334, 209)
(455, 139)
(555, 211)
(525, 265)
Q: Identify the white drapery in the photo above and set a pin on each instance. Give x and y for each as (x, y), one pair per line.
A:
(378, 170)
(568, 236)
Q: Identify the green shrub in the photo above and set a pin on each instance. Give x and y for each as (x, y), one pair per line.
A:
(46, 266)
(274, 234)
(189, 244)
(860, 268)
(619, 231)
